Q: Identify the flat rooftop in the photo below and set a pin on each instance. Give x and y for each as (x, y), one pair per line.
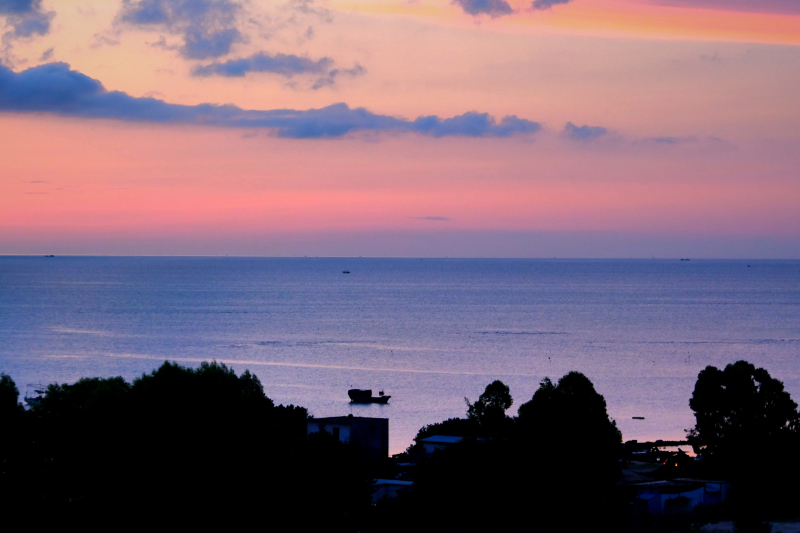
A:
(442, 439)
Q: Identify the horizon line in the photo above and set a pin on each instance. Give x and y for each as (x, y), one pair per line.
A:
(537, 258)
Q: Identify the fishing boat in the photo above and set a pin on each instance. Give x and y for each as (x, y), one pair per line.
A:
(365, 396)
(34, 394)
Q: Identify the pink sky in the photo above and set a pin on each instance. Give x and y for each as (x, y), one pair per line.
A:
(691, 145)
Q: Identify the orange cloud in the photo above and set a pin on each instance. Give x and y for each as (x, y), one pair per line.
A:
(633, 18)
(640, 19)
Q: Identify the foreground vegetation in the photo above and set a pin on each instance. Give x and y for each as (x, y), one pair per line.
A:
(556, 466)
(200, 447)
(552, 468)
(191, 446)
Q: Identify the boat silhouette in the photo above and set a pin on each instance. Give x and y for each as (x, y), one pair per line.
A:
(34, 393)
(365, 396)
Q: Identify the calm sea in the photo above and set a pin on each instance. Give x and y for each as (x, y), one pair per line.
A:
(429, 332)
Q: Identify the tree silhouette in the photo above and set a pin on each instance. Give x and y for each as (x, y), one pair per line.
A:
(9, 397)
(485, 418)
(573, 405)
(747, 430)
(179, 447)
(490, 408)
(571, 416)
(738, 409)
(11, 425)
(523, 477)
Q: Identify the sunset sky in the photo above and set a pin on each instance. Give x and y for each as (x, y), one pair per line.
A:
(430, 128)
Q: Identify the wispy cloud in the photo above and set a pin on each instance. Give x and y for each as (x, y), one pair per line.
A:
(284, 64)
(786, 7)
(501, 8)
(668, 140)
(438, 219)
(493, 8)
(330, 78)
(540, 5)
(26, 19)
(208, 27)
(55, 88)
(583, 133)
(713, 58)
(704, 143)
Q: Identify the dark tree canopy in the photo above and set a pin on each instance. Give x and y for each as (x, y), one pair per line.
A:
(197, 446)
(520, 474)
(738, 410)
(747, 431)
(455, 427)
(572, 417)
(572, 409)
(485, 418)
(9, 396)
(489, 410)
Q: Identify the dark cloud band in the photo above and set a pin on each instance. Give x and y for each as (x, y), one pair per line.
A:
(55, 88)
(283, 64)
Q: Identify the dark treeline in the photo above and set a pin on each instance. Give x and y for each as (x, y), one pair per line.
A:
(556, 466)
(188, 446)
(748, 431)
(552, 468)
(200, 447)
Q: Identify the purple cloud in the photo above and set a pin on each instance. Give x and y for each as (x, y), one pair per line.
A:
(493, 8)
(540, 5)
(283, 64)
(26, 19)
(583, 133)
(208, 26)
(55, 88)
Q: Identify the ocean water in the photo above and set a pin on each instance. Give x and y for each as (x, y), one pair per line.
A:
(429, 332)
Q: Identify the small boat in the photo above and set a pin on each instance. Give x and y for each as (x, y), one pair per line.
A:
(365, 396)
(638, 418)
(345, 271)
(36, 398)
